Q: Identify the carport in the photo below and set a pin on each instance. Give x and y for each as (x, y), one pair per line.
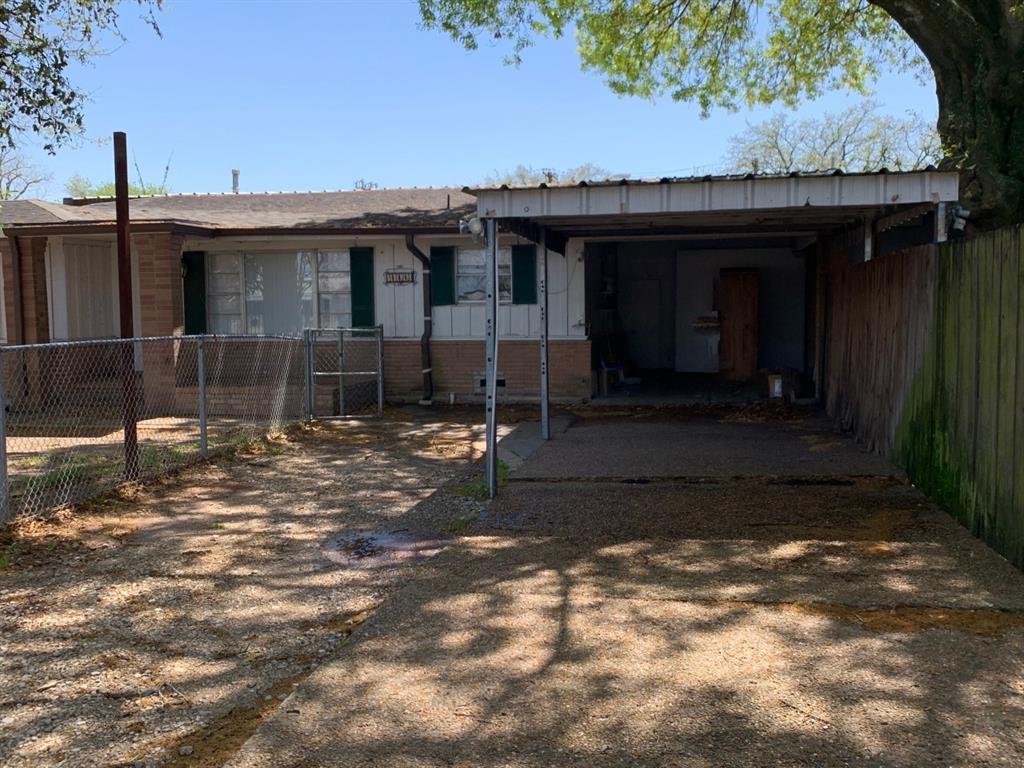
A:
(744, 293)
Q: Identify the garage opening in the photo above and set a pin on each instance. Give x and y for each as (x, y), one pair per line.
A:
(684, 320)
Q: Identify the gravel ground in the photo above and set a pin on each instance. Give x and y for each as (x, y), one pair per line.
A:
(160, 628)
(733, 622)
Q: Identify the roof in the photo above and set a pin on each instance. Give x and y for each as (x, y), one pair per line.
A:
(791, 206)
(627, 181)
(386, 209)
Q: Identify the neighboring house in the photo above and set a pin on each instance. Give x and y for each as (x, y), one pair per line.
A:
(713, 275)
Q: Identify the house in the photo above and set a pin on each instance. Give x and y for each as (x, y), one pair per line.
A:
(646, 280)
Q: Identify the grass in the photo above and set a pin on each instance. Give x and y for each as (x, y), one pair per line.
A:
(8, 556)
(460, 524)
(477, 489)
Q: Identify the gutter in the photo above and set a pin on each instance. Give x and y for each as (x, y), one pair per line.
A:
(428, 321)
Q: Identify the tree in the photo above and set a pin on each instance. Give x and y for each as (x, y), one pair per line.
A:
(39, 41)
(17, 177)
(79, 186)
(528, 176)
(725, 53)
(856, 139)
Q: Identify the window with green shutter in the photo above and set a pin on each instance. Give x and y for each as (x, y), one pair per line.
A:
(442, 275)
(362, 287)
(194, 291)
(524, 274)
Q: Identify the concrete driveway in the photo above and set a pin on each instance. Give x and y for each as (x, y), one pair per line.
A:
(661, 591)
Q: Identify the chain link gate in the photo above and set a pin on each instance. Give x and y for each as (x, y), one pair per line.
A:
(345, 372)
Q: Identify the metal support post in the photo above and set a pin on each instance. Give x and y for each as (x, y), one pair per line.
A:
(5, 498)
(491, 352)
(545, 409)
(380, 370)
(204, 446)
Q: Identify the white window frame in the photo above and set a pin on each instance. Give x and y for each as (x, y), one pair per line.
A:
(240, 295)
(504, 261)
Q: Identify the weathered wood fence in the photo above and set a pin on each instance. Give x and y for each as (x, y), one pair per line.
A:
(924, 362)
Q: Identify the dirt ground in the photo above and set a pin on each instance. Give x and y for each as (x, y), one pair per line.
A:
(825, 619)
(681, 620)
(160, 626)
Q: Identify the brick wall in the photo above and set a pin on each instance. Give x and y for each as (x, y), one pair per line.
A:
(33, 290)
(456, 362)
(160, 313)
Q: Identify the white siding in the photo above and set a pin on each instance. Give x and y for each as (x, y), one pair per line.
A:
(399, 308)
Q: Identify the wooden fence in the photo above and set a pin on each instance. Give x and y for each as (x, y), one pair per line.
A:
(924, 362)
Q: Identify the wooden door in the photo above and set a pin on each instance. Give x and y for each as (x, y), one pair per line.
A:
(737, 309)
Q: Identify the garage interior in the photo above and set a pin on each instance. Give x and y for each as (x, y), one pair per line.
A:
(700, 319)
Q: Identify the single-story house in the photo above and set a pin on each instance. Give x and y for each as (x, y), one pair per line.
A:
(645, 279)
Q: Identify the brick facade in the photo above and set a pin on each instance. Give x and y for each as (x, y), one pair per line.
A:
(35, 309)
(456, 364)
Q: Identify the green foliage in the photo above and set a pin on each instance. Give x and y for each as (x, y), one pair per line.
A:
(40, 41)
(710, 52)
(8, 555)
(78, 186)
(461, 523)
(856, 139)
(477, 489)
(528, 176)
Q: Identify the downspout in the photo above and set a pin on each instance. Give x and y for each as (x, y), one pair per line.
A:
(428, 322)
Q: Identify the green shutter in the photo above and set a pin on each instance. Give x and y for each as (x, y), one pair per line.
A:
(194, 291)
(442, 275)
(361, 260)
(524, 274)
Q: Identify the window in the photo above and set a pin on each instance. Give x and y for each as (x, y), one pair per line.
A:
(278, 293)
(224, 288)
(334, 283)
(471, 275)
(91, 279)
(284, 293)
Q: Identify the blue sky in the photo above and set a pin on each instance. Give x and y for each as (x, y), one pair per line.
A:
(314, 95)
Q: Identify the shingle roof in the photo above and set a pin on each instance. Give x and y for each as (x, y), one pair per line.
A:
(362, 209)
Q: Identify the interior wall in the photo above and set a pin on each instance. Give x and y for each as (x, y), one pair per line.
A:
(646, 288)
(781, 300)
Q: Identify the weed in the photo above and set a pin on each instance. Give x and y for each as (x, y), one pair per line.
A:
(461, 523)
(477, 489)
(8, 556)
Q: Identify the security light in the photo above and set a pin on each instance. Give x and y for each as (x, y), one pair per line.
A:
(473, 226)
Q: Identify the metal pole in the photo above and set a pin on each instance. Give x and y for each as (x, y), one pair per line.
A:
(124, 293)
(380, 370)
(341, 372)
(5, 511)
(491, 351)
(545, 405)
(201, 369)
(310, 384)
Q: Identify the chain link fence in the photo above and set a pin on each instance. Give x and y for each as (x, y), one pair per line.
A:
(345, 366)
(83, 417)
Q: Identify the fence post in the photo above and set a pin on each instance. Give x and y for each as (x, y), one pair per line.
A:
(341, 372)
(380, 370)
(307, 336)
(201, 370)
(4, 494)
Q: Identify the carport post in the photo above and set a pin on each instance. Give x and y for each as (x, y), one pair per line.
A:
(491, 352)
(545, 414)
